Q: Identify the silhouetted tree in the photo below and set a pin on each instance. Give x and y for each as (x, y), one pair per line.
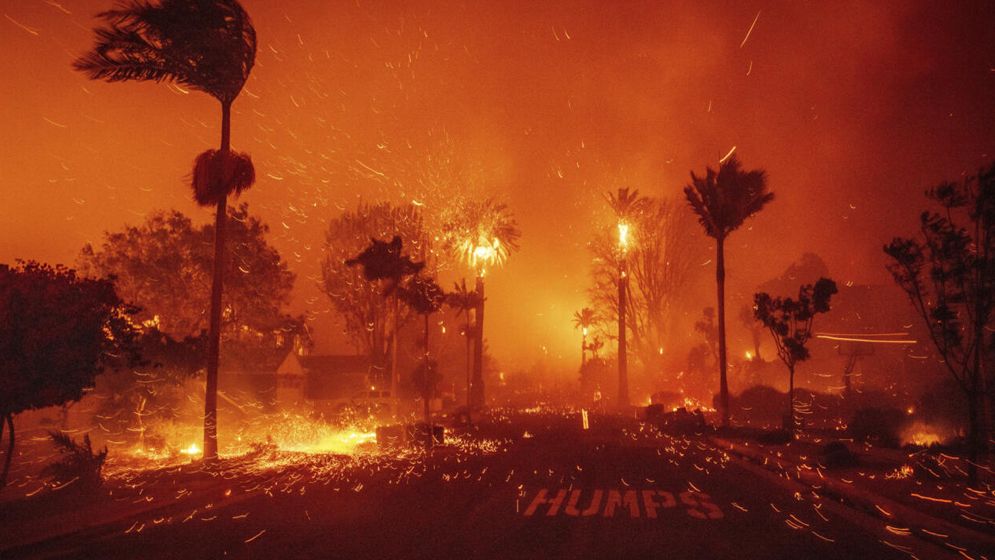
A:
(464, 300)
(424, 296)
(481, 234)
(790, 324)
(360, 303)
(723, 200)
(756, 330)
(584, 320)
(709, 332)
(209, 46)
(165, 264)
(57, 332)
(384, 261)
(595, 346)
(949, 276)
(426, 378)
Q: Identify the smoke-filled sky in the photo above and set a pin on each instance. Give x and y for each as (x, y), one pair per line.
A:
(852, 108)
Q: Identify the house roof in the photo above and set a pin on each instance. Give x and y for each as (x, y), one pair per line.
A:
(333, 364)
(328, 376)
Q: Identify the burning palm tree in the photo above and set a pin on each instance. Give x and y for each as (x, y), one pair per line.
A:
(209, 46)
(482, 234)
(723, 200)
(627, 205)
(584, 320)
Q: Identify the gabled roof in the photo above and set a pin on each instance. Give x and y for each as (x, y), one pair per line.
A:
(333, 364)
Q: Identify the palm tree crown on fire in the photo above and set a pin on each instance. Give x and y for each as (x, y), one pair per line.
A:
(584, 320)
(481, 234)
(626, 205)
(723, 200)
(208, 46)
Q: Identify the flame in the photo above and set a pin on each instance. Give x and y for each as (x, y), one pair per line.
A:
(922, 435)
(192, 450)
(623, 236)
(483, 252)
(905, 471)
(285, 432)
(691, 404)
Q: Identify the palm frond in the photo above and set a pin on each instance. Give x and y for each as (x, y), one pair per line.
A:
(207, 45)
(626, 204)
(480, 232)
(585, 318)
(724, 199)
(215, 177)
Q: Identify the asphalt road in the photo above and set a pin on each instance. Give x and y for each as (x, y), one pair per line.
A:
(539, 487)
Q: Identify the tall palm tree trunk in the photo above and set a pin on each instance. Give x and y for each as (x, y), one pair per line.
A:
(790, 418)
(393, 357)
(9, 419)
(469, 403)
(428, 391)
(214, 334)
(623, 360)
(583, 351)
(477, 385)
(720, 280)
(974, 416)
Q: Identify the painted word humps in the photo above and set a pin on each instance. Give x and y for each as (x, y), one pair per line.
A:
(588, 503)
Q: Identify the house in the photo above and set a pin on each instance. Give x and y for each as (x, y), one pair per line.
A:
(304, 379)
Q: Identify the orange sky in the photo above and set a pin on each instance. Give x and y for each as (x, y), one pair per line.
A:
(853, 109)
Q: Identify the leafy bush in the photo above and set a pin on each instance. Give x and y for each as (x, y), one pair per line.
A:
(77, 462)
(882, 426)
(837, 454)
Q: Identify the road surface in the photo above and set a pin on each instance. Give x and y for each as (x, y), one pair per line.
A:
(524, 486)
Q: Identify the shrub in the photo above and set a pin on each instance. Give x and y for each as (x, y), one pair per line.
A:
(836, 454)
(776, 437)
(77, 461)
(882, 426)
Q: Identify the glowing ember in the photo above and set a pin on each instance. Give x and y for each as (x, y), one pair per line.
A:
(905, 471)
(343, 442)
(191, 450)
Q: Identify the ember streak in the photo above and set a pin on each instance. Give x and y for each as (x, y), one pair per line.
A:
(737, 263)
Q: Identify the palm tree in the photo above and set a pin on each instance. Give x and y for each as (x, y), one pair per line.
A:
(723, 200)
(584, 320)
(383, 261)
(209, 46)
(482, 234)
(627, 205)
(424, 296)
(463, 300)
